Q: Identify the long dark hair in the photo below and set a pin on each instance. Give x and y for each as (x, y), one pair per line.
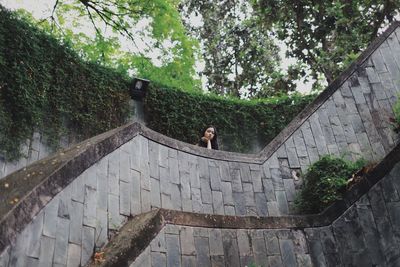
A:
(214, 141)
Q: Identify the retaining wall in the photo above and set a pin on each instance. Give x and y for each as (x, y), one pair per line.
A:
(367, 234)
(72, 209)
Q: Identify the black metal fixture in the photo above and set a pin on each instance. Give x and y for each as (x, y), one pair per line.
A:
(138, 88)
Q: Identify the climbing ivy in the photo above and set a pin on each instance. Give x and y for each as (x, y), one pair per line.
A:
(46, 86)
(243, 125)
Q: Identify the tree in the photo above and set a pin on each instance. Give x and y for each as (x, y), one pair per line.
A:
(163, 35)
(326, 35)
(240, 56)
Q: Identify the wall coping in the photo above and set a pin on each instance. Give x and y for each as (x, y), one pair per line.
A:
(72, 162)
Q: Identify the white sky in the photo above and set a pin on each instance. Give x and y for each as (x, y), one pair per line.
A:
(42, 9)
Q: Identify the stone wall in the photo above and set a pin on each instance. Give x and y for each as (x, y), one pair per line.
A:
(147, 171)
(351, 118)
(199, 246)
(36, 148)
(99, 201)
(367, 234)
(353, 122)
(33, 150)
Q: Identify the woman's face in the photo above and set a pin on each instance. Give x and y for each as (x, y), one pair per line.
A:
(209, 133)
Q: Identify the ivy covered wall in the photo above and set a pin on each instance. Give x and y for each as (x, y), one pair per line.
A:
(46, 87)
(243, 126)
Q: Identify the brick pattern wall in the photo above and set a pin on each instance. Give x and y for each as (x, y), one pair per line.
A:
(143, 174)
(33, 150)
(138, 176)
(196, 246)
(353, 122)
(367, 234)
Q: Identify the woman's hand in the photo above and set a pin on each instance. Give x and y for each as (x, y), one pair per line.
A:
(205, 139)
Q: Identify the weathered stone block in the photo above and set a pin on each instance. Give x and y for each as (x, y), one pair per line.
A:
(215, 178)
(146, 200)
(269, 189)
(173, 250)
(90, 205)
(173, 170)
(187, 241)
(46, 251)
(202, 251)
(240, 204)
(231, 249)
(61, 244)
(227, 193)
(261, 204)
(74, 255)
(101, 231)
(218, 204)
(243, 239)
(206, 195)
(136, 206)
(282, 202)
(115, 219)
(158, 259)
(196, 200)
(155, 193)
(75, 236)
(236, 181)
(124, 198)
(176, 198)
(287, 252)
(215, 240)
(158, 243)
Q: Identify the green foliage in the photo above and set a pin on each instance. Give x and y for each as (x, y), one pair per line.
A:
(326, 35)
(240, 123)
(240, 55)
(163, 36)
(45, 86)
(324, 182)
(396, 110)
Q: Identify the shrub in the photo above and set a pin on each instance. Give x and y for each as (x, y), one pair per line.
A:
(396, 110)
(243, 125)
(324, 183)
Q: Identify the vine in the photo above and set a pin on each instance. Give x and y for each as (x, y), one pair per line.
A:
(46, 86)
(243, 125)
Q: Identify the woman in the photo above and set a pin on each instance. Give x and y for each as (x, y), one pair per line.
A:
(208, 138)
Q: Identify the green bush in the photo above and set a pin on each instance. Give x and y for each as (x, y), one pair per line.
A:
(243, 125)
(396, 110)
(46, 86)
(324, 182)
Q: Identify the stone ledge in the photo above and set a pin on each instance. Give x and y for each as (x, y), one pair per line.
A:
(50, 176)
(162, 217)
(69, 164)
(324, 95)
